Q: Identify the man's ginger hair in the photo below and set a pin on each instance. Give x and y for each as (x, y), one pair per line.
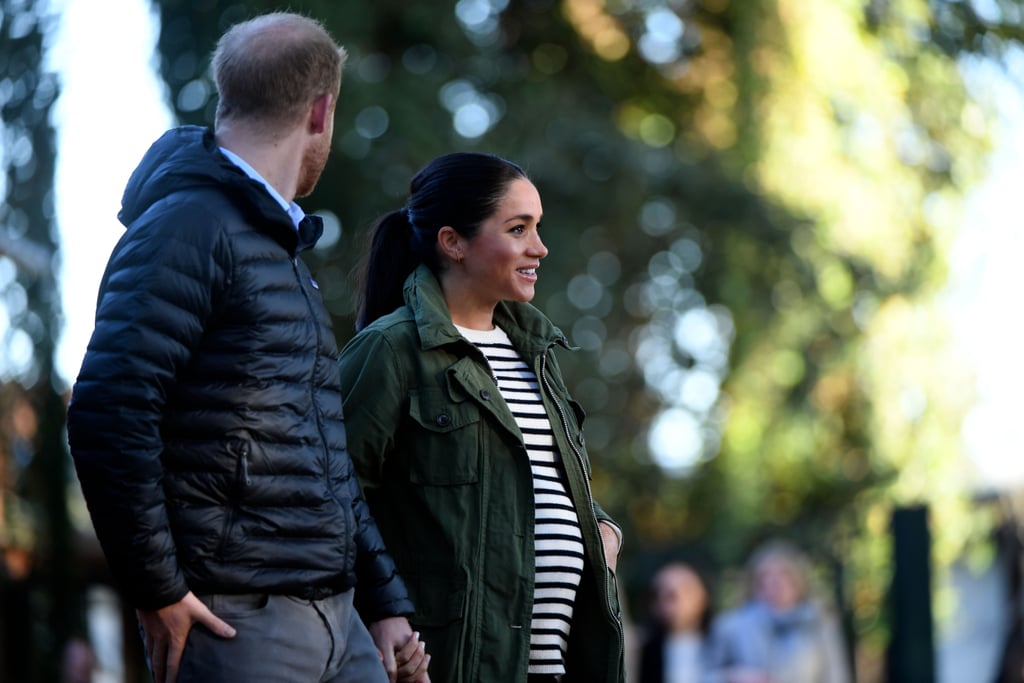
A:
(269, 69)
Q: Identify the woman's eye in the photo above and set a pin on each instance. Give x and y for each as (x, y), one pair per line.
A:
(518, 229)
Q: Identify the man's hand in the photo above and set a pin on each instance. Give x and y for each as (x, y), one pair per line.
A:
(611, 540)
(166, 630)
(404, 656)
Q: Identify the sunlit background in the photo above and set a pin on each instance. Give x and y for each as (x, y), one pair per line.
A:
(716, 262)
(106, 143)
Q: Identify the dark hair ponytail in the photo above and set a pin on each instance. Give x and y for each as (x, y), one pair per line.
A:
(388, 261)
(460, 190)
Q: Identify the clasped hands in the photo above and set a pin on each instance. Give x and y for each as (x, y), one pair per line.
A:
(402, 652)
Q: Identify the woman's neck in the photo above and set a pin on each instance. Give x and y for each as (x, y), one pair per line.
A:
(482, 321)
(465, 309)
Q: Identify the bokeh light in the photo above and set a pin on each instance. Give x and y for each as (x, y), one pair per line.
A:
(660, 43)
(473, 113)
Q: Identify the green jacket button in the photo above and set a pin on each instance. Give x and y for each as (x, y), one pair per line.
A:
(443, 420)
(485, 395)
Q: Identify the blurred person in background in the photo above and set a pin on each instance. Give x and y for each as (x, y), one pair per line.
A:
(782, 634)
(676, 651)
(206, 421)
(78, 662)
(467, 442)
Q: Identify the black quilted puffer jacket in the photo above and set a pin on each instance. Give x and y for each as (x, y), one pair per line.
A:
(206, 422)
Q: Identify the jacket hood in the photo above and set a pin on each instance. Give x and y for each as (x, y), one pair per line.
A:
(526, 326)
(187, 158)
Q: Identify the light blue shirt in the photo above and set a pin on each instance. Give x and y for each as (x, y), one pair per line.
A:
(294, 211)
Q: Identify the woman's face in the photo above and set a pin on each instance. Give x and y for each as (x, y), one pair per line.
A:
(679, 599)
(500, 262)
(777, 582)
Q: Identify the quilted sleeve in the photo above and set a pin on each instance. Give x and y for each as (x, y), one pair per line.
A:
(157, 294)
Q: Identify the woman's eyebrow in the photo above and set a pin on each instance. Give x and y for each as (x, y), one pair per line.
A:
(520, 217)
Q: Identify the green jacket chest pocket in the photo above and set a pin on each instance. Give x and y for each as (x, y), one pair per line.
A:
(445, 450)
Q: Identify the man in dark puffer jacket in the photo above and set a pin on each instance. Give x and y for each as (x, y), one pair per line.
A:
(206, 423)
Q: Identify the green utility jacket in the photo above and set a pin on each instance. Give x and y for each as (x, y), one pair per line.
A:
(444, 469)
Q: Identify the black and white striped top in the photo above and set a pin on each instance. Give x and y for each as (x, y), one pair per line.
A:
(557, 536)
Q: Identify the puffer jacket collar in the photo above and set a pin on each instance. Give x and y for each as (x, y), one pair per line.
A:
(188, 157)
(531, 331)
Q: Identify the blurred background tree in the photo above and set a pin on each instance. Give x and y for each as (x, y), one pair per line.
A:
(749, 207)
(41, 606)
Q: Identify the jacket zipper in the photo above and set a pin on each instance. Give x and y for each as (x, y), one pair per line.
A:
(590, 495)
(244, 459)
(325, 464)
(316, 352)
(242, 480)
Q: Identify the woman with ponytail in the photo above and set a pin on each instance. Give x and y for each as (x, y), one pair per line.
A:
(468, 446)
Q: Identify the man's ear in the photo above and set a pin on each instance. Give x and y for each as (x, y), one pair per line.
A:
(320, 113)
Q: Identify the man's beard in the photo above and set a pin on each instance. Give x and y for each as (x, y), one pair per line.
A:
(313, 163)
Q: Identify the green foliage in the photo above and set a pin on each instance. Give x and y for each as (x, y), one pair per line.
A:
(35, 531)
(748, 205)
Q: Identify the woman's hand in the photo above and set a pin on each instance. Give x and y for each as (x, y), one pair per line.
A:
(402, 653)
(611, 539)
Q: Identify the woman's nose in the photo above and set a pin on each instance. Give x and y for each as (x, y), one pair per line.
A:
(539, 249)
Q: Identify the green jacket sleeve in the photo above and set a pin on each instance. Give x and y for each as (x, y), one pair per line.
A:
(372, 393)
(603, 516)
